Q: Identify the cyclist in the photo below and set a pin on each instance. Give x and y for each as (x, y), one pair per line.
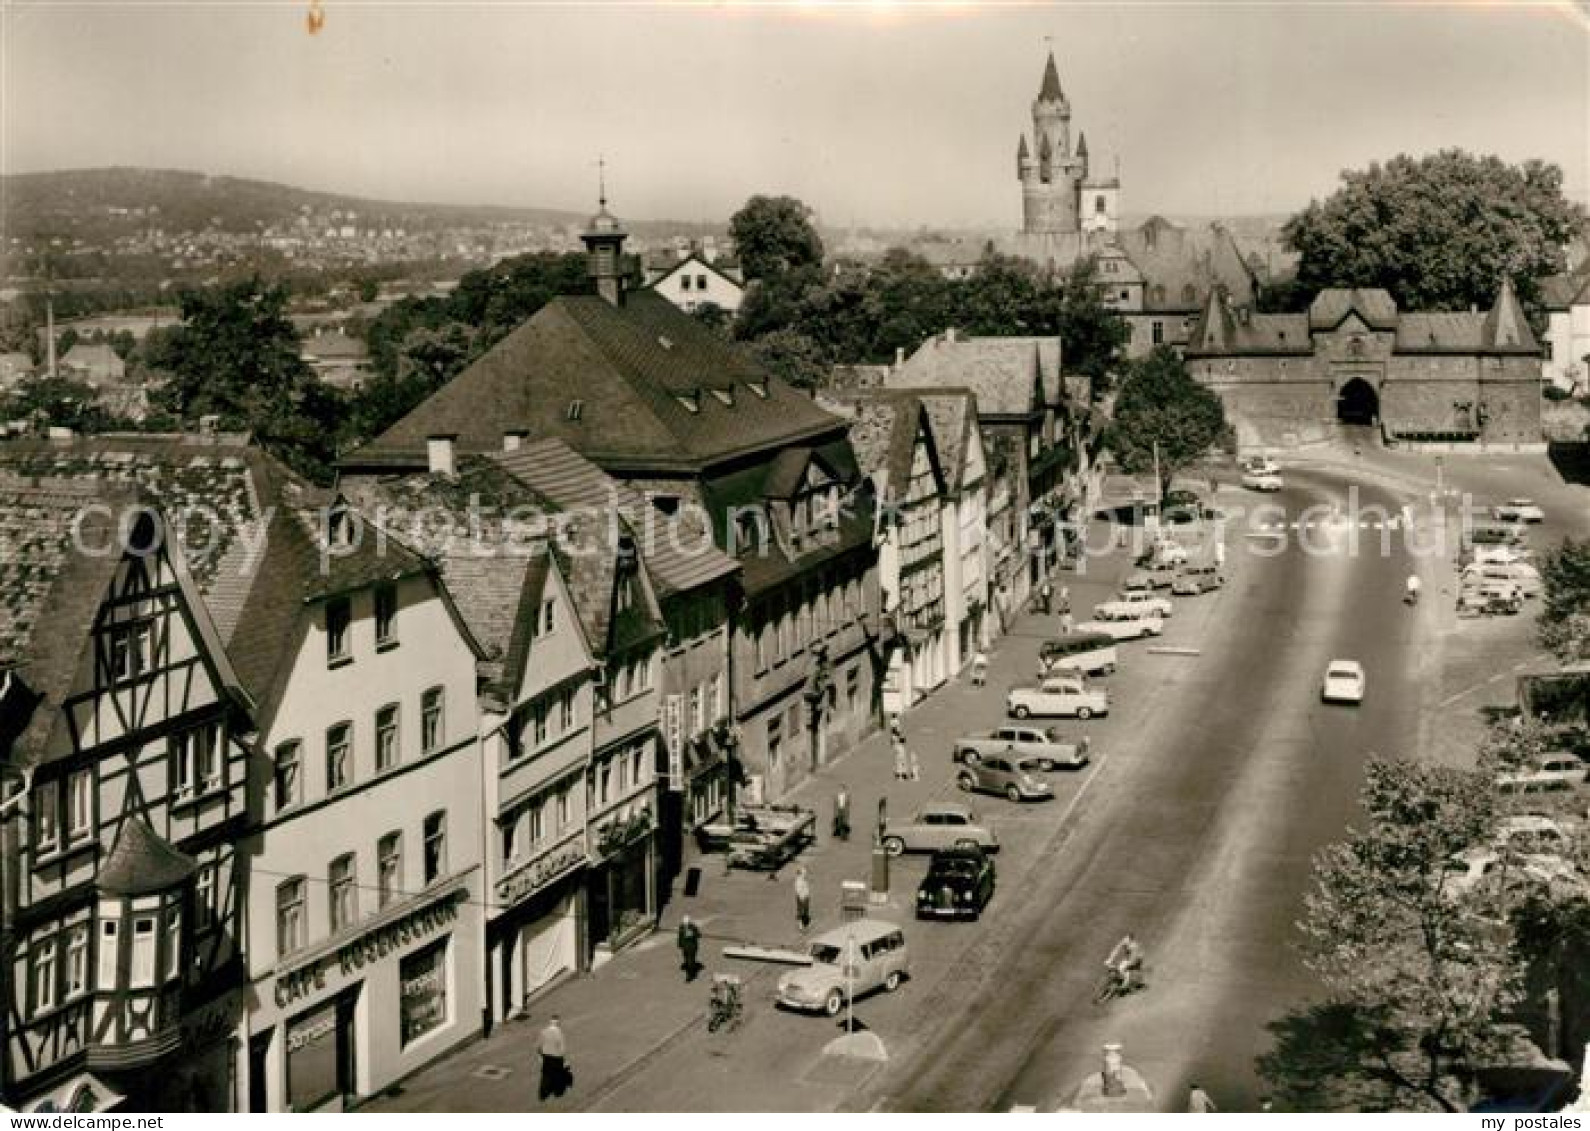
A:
(1413, 587)
(1126, 960)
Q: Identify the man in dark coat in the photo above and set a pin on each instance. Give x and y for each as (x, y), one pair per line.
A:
(689, 943)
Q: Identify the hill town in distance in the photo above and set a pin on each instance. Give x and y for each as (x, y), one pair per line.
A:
(465, 659)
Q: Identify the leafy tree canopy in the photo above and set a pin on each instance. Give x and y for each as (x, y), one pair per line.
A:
(236, 356)
(1418, 981)
(1439, 232)
(1162, 407)
(774, 234)
(58, 401)
(1565, 611)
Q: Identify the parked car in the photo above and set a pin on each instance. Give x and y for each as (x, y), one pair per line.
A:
(1532, 835)
(938, 824)
(1487, 534)
(1344, 682)
(1521, 574)
(958, 885)
(1192, 581)
(1016, 778)
(1181, 506)
(1162, 551)
(1091, 653)
(1504, 553)
(1159, 575)
(1468, 870)
(1062, 696)
(1519, 510)
(1260, 465)
(1490, 598)
(1044, 745)
(1135, 602)
(1129, 624)
(1262, 481)
(847, 962)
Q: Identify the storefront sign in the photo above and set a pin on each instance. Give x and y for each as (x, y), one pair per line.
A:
(540, 872)
(674, 740)
(422, 982)
(310, 979)
(312, 1058)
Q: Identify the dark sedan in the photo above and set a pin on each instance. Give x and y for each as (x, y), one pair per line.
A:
(958, 885)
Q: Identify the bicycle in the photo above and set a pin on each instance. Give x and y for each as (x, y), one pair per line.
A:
(1116, 984)
(726, 1006)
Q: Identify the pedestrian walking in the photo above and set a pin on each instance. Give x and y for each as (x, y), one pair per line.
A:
(555, 1075)
(1199, 1103)
(902, 759)
(914, 770)
(1066, 623)
(842, 813)
(1046, 595)
(979, 669)
(689, 944)
(1065, 600)
(803, 899)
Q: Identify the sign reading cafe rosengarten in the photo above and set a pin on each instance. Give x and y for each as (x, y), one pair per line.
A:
(355, 954)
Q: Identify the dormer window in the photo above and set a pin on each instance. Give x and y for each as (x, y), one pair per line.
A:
(576, 408)
(759, 388)
(725, 395)
(691, 402)
(665, 342)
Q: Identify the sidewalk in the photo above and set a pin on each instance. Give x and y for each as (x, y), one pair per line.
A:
(635, 1007)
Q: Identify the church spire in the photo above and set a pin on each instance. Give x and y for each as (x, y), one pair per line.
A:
(1082, 144)
(1050, 91)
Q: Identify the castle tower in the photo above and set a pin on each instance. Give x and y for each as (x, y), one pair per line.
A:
(1050, 184)
(604, 245)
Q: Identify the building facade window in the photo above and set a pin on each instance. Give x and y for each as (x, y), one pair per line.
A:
(196, 760)
(435, 846)
(288, 775)
(386, 607)
(431, 708)
(387, 751)
(141, 972)
(77, 959)
(339, 756)
(389, 868)
(46, 816)
(43, 980)
(204, 889)
(422, 982)
(339, 619)
(171, 968)
(291, 929)
(109, 953)
(129, 651)
(343, 888)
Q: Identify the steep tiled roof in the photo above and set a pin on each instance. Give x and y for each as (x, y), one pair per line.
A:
(140, 863)
(1559, 292)
(1181, 267)
(628, 367)
(1000, 371)
(1506, 329)
(952, 414)
(1050, 89)
(1222, 330)
(677, 549)
(884, 425)
(1373, 304)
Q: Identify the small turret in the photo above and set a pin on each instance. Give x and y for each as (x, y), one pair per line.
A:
(1023, 159)
(1082, 152)
(1050, 90)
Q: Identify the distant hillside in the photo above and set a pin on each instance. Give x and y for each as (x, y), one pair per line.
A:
(94, 203)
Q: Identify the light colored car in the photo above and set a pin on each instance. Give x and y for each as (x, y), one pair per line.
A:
(1521, 574)
(1344, 682)
(1058, 696)
(1091, 653)
(1134, 599)
(1163, 552)
(1017, 779)
(939, 824)
(1044, 745)
(1196, 580)
(1532, 835)
(1160, 575)
(1503, 554)
(1262, 481)
(849, 961)
(1127, 624)
(1261, 465)
(1468, 870)
(1519, 510)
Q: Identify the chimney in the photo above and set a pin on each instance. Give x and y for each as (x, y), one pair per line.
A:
(209, 424)
(899, 356)
(949, 334)
(513, 440)
(440, 454)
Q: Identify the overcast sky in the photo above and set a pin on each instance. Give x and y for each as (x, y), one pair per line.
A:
(879, 113)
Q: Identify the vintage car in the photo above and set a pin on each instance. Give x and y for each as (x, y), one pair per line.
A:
(1344, 682)
(1129, 624)
(1044, 745)
(958, 885)
(1133, 600)
(1192, 581)
(1518, 510)
(1061, 695)
(1156, 575)
(1262, 481)
(845, 963)
(938, 824)
(1017, 779)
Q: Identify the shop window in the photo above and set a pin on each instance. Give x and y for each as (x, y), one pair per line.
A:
(389, 868)
(342, 885)
(339, 756)
(435, 846)
(291, 930)
(431, 705)
(144, 941)
(339, 616)
(422, 981)
(288, 779)
(386, 738)
(386, 606)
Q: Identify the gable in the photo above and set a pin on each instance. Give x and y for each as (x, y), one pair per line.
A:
(974, 466)
(556, 655)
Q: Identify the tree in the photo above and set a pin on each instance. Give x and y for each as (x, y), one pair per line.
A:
(774, 234)
(793, 357)
(236, 356)
(1417, 981)
(1163, 413)
(1093, 335)
(1565, 610)
(58, 401)
(1439, 232)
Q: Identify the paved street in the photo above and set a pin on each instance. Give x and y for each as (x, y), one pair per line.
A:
(1216, 778)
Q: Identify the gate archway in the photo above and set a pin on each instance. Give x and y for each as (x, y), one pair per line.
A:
(1358, 403)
